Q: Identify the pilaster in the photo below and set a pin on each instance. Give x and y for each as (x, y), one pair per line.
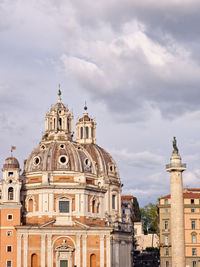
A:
(78, 251)
(19, 249)
(25, 236)
(43, 249)
(108, 250)
(49, 250)
(101, 250)
(84, 240)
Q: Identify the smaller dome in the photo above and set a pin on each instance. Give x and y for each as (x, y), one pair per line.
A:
(11, 163)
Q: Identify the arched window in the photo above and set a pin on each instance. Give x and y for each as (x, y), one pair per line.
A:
(81, 132)
(92, 260)
(92, 132)
(34, 260)
(68, 127)
(86, 132)
(93, 205)
(54, 122)
(30, 205)
(113, 202)
(60, 123)
(194, 238)
(10, 193)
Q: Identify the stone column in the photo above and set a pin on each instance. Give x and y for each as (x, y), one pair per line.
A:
(84, 250)
(177, 209)
(43, 250)
(19, 249)
(25, 250)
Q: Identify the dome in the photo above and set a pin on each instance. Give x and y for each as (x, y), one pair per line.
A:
(11, 163)
(71, 156)
(57, 106)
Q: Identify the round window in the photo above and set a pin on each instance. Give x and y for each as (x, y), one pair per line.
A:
(87, 162)
(63, 160)
(43, 147)
(62, 146)
(36, 160)
(10, 181)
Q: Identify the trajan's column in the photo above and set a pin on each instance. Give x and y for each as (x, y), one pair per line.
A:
(177, 207)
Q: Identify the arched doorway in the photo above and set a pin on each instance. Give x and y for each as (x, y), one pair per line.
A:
(34, 260)
(92, 260)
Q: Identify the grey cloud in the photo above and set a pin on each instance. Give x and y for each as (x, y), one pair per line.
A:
(145, 159)
(138, 75)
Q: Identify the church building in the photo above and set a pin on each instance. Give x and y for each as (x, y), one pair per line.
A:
(63, 209)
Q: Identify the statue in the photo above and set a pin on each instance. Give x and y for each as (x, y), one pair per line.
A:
(175, 145)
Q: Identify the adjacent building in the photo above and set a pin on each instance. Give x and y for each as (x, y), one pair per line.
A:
(191, 228)
(64, 208)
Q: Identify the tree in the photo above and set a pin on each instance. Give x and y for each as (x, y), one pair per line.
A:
(149, 218)
(136, 208)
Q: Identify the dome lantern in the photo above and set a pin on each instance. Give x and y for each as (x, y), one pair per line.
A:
(86, 129)
(58, 122)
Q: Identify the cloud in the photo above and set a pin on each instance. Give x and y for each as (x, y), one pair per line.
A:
(143, 159)
(136, 73)
(192, 178)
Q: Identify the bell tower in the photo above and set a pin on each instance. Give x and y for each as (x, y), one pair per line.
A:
(58, 122)
(86, 129)
(11, 183)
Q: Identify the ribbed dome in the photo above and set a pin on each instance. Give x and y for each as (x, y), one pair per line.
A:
(11, 163)
(71, 156)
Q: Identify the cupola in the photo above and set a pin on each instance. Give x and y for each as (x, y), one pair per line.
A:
(11, 183)
(11, 168)
(86, 129)
(58, 122)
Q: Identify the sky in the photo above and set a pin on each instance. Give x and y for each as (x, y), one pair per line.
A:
(136, 63)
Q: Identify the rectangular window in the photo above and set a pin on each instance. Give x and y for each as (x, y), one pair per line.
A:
(193, 225)
(113, 202)
(192, 210)
(10, 217)
(194, 251)
(166, 225)
(166, 201)
(192, 201)
(10, 174)
(166, 252)
(166, 240)
(64, 206)
(194, 238)
(9, 264)
(194, 264)
(166, 264)
(63, 263)
(9, 233)
(165, 210)
(9, 248)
